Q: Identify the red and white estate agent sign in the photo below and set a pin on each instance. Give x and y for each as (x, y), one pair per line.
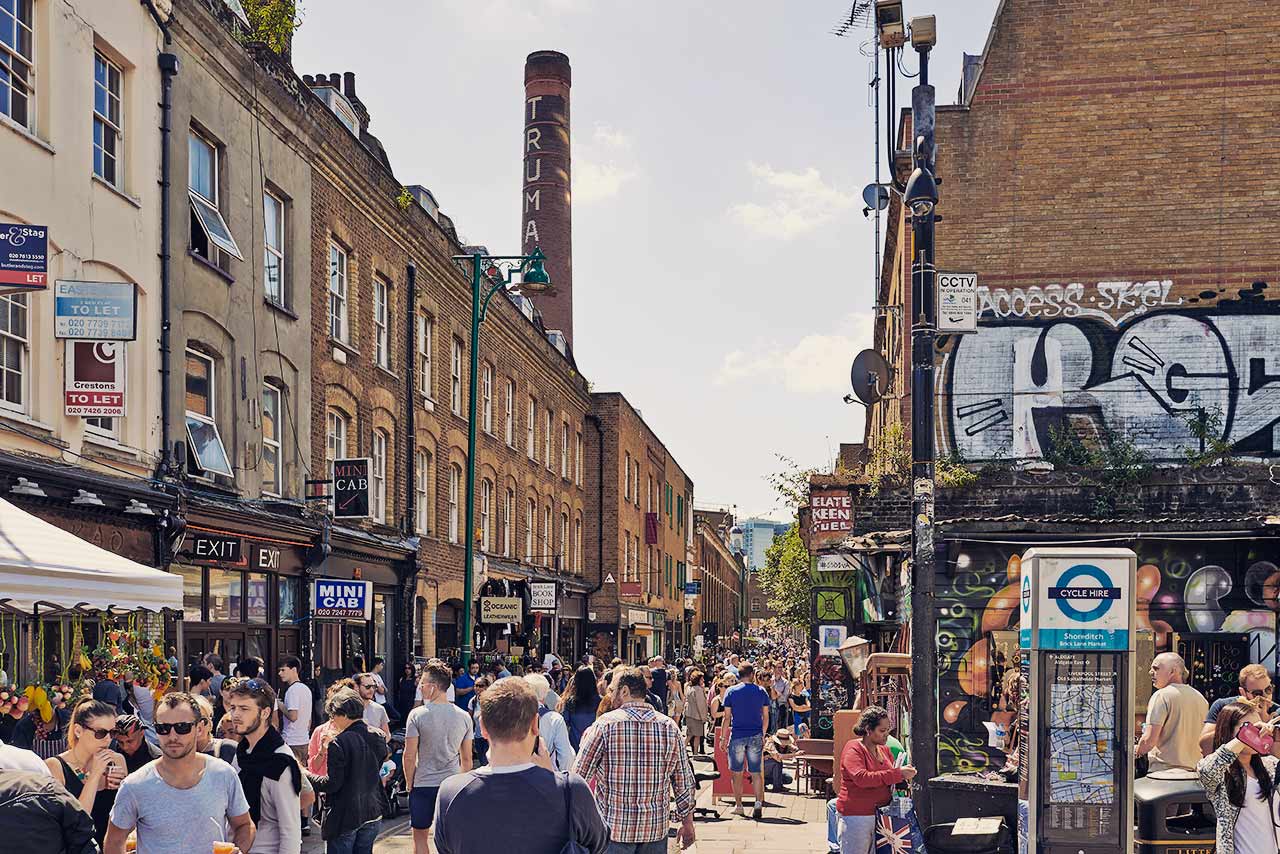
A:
(95, 379)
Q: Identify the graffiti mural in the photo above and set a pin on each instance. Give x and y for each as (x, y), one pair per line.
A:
(1229, 588)
(1119, 356)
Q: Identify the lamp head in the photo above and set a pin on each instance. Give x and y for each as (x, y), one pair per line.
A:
(921, 193)
(535, 279)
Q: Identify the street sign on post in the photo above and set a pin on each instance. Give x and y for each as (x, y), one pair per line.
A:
(957, 302)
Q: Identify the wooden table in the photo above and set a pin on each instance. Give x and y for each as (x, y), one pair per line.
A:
(821, 763)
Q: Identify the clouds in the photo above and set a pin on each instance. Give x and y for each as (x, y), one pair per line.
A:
(816, 364)
(602, 164)
(799, 202)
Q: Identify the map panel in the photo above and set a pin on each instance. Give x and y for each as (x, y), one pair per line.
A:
(1077, 706)
(1081, 766)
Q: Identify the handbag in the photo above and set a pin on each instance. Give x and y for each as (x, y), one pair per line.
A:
(898, 829)
(1254, 738)
(572, 846)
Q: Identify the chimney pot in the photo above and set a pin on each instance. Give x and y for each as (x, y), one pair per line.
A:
(306, 79)
(349, 84)
(335, 80)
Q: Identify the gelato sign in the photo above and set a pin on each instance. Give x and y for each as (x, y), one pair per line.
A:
(830, 516)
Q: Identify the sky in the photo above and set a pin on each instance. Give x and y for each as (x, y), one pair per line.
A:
(723, 267)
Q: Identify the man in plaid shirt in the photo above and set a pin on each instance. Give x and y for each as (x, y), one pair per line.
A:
(637, 759)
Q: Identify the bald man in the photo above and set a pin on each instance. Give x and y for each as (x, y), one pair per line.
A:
(1175, 714)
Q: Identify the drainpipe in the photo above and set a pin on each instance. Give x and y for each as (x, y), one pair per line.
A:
(410, 370)
(599, 514)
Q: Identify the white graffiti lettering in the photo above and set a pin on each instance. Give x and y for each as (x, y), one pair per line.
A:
(1114, 301)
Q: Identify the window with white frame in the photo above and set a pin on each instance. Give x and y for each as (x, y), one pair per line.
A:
(626, 476)
(208, 455)
(15, 349)
(546, 439)
(272, 440)
(486, 515)
(636, 481)
(486, 386)
(335, 444)
(425, 332)
(379, 466)
(626, 554)
(422, 496)
(273, 247)
(381, 322)
(577, 545)
(547, 534)
(108, 126)
(577, 461)
(564, 450)
(529, 512)
(455, 483)
(511, 414)
(339, 328)
(648, 502)
(562, 553)
(455, 378)
(530, 427)
(17, 94)
(508, 523)
(209, 231)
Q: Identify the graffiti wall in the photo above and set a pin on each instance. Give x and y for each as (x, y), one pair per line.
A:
(1185, 588)
(1122, 356)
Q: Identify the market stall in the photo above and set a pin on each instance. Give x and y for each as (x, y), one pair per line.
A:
(70, 611)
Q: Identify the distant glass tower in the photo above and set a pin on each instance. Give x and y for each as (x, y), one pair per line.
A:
(757, 536)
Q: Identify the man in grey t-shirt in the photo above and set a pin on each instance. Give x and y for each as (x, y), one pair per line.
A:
(183, 801)
(437, 744)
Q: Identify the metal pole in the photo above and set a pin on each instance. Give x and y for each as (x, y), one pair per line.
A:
(468, 576)
(924, 661)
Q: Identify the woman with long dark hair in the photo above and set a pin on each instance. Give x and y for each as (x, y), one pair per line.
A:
(89, 769)
(580, 704)
(1240, 781)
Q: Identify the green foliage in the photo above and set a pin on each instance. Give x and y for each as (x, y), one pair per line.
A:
(890, 461)
(950, 472)
(786, 580)
(404, 199)
(1114, 465)
(1206, 428)
(792, 483)
(273, 22)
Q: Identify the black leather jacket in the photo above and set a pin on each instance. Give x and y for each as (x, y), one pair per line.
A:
(354, 790)
(38, 816)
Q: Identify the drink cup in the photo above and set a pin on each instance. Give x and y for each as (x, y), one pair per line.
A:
(131, 842)
(224, 848)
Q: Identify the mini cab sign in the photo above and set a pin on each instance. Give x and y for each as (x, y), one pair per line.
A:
(351, 488)
(339, 599)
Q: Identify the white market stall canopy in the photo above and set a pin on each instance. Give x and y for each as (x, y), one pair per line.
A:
(42, 564)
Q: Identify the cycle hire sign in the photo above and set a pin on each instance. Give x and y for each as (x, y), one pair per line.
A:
(1084, 604)
(102, 311)
(340, 599)
(24, 257)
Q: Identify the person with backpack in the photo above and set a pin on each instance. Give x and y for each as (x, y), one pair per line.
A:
(555, 734)
(580, 704)
(568, 821)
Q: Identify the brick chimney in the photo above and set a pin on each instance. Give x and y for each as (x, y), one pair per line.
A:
(546, 219)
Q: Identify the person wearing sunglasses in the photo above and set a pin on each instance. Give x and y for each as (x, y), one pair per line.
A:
(89, 769)
(1256, 687)
(185, 800)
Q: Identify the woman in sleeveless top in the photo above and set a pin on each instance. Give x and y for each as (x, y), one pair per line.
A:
(88, 768)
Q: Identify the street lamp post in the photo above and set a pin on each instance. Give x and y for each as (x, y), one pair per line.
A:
(534, 279)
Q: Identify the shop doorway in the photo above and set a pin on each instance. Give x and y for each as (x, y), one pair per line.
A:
(232, 646)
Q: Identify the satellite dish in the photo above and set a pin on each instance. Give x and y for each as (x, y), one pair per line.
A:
(875, 196)
(870, 376)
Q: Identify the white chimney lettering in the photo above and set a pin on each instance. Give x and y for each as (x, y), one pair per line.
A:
(532, 137)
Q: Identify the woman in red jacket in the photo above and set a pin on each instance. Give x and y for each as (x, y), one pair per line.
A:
(867, 776)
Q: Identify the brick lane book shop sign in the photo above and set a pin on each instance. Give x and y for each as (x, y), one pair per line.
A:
(24, 257)
(336, 599)
(830, 516)
(351, 486)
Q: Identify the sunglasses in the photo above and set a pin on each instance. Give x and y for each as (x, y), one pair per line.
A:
(1263, 692)
(99, 734)
(183, 727)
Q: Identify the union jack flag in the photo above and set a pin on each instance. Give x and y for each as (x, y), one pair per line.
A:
(893, 840)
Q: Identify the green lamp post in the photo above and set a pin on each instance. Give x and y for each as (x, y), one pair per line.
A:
(498, 270)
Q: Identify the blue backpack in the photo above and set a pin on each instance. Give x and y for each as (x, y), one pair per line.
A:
(572, 846)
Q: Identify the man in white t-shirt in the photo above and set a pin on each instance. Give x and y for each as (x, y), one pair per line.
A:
(375, 714)
(380, 696)
(295, 717)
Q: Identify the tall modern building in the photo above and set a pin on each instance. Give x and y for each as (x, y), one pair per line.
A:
(757, 536)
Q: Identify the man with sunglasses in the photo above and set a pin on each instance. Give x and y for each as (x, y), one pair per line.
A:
(185, 800)
(375, 714)
(1255, 687)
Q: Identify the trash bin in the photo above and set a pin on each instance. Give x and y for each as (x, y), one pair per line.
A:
(1172, 809)
(956, 838)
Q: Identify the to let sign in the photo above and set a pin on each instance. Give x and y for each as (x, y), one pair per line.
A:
(24, 257)
(351, 486)
(500, 609)
(94, 379)
(104, 311)
(830, 516)
(957, 302)
(336, 599)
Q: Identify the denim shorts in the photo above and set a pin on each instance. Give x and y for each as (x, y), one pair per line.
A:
(746, 751)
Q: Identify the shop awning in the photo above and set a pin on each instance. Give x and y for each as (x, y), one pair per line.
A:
(42, 564)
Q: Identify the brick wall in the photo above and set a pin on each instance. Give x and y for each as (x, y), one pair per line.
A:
(1107, 183)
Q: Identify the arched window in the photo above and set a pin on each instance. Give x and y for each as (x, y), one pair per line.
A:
(509, 523)
(455, 480)
(422, 481)
(381, 444)
(486, 514)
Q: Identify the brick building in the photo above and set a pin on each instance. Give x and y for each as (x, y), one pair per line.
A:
(722, 570)
(646, 524)
(1109, 193)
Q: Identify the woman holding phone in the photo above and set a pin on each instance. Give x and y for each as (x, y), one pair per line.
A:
(1239, 777)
